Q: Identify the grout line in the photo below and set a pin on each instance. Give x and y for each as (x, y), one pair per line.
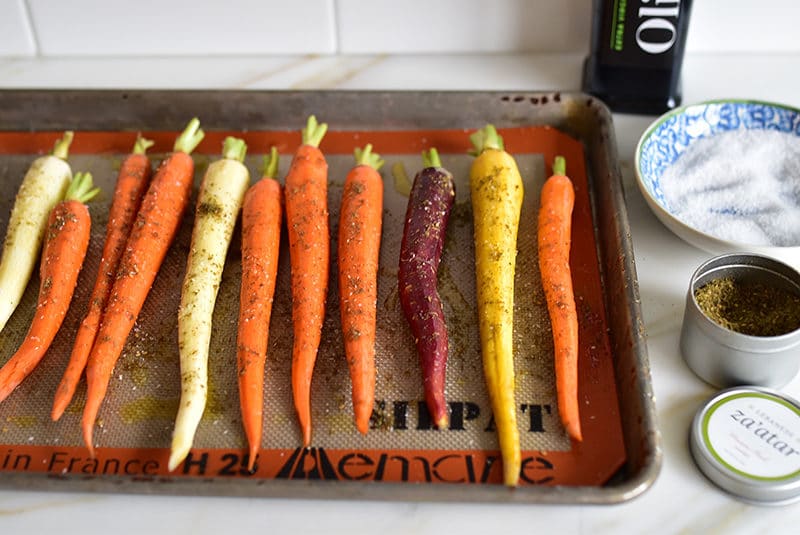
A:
(337, 27)
(26, 9)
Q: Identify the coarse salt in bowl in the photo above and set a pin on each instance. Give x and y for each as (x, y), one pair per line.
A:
(724, 176)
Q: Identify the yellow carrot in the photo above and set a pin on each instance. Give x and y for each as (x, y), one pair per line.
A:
(496, 190)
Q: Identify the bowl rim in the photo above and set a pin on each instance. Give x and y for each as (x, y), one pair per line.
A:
(682, 109)
(661, 212)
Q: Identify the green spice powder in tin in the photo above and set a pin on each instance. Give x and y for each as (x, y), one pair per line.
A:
(749, 307)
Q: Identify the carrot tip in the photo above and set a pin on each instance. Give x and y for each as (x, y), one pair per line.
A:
(61, 148)
(234, 148)
(56, 413)
(269, 167)
(443, 422)
(191, 136)
(80, 188)
(313, 133)
(253, 454)
(559, 166)
(141, 145)
(486, 138)
(365, 156)
(430, 158)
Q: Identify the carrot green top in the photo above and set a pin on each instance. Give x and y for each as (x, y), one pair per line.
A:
(141, 145)
(430, 158)
(190, 137)
(80, 188)
(234, 148)
(314, 132)
(269, 168)
(486, 138)
(61, 148)
(365, 156)
(559, 166)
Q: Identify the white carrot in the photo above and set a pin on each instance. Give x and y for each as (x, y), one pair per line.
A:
(218, 205)
(42, 188)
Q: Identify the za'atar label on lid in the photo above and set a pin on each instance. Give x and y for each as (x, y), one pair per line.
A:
(755, 435)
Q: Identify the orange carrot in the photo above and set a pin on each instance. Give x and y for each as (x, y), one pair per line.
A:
(151, 236)
(132, 181)
(358, 251)
(261, 232)
(66, 241)
(306, 192)
(554, 239)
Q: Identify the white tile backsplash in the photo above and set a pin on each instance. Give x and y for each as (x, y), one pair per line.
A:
(16, 37)
(744, 26)
(120, 28)
(446, 26)
(183, 27)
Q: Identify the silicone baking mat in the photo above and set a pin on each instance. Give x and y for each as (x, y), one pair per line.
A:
(135, 423)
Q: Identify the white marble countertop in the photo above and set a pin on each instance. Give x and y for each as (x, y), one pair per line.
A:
(680, 501)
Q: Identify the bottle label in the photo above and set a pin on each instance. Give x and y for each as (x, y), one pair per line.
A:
(640, 33)
(755, 435)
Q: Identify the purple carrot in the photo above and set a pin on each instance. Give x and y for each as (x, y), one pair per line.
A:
(429, 205)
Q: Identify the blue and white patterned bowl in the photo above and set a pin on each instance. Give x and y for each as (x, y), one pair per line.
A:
(668, 138)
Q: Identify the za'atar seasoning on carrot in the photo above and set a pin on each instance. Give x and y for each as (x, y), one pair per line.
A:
(42, 188)
(152, 234)
(132, 181)
(218, 204)
(306, 198)
(554, 238)
(429, 205)
(65, 243)
(261, 235)
(496, 190)
(360, 222)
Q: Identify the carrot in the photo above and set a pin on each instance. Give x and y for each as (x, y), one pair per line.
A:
(42, 188)
(429, 204)
(66, 241)
(496, 190)
(261, 233)
(358, 252)
(155, 227)
(554, 239)
(132, 181)
(218, 204)
(306, 192)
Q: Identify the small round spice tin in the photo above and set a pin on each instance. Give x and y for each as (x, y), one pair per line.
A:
(746, 440)
(724, 357)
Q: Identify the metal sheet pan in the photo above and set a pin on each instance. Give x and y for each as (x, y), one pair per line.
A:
(580, 117)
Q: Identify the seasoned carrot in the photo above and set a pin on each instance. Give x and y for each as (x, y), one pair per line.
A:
(218, 204)
(554, 240)
(66, 241)
(155, 227)
(358, 252)
(306, 197)
(261, 233)
(429, 205)
(42, 188)
(496, 190)
(132, 181)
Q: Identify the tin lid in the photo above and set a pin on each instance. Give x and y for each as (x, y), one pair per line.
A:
(747, 441)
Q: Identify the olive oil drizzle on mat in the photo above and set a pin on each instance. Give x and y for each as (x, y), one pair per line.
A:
(749, 308)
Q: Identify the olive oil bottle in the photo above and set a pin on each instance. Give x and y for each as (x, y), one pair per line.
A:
(636, 54)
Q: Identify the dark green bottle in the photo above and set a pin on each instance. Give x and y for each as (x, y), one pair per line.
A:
(636, 54)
